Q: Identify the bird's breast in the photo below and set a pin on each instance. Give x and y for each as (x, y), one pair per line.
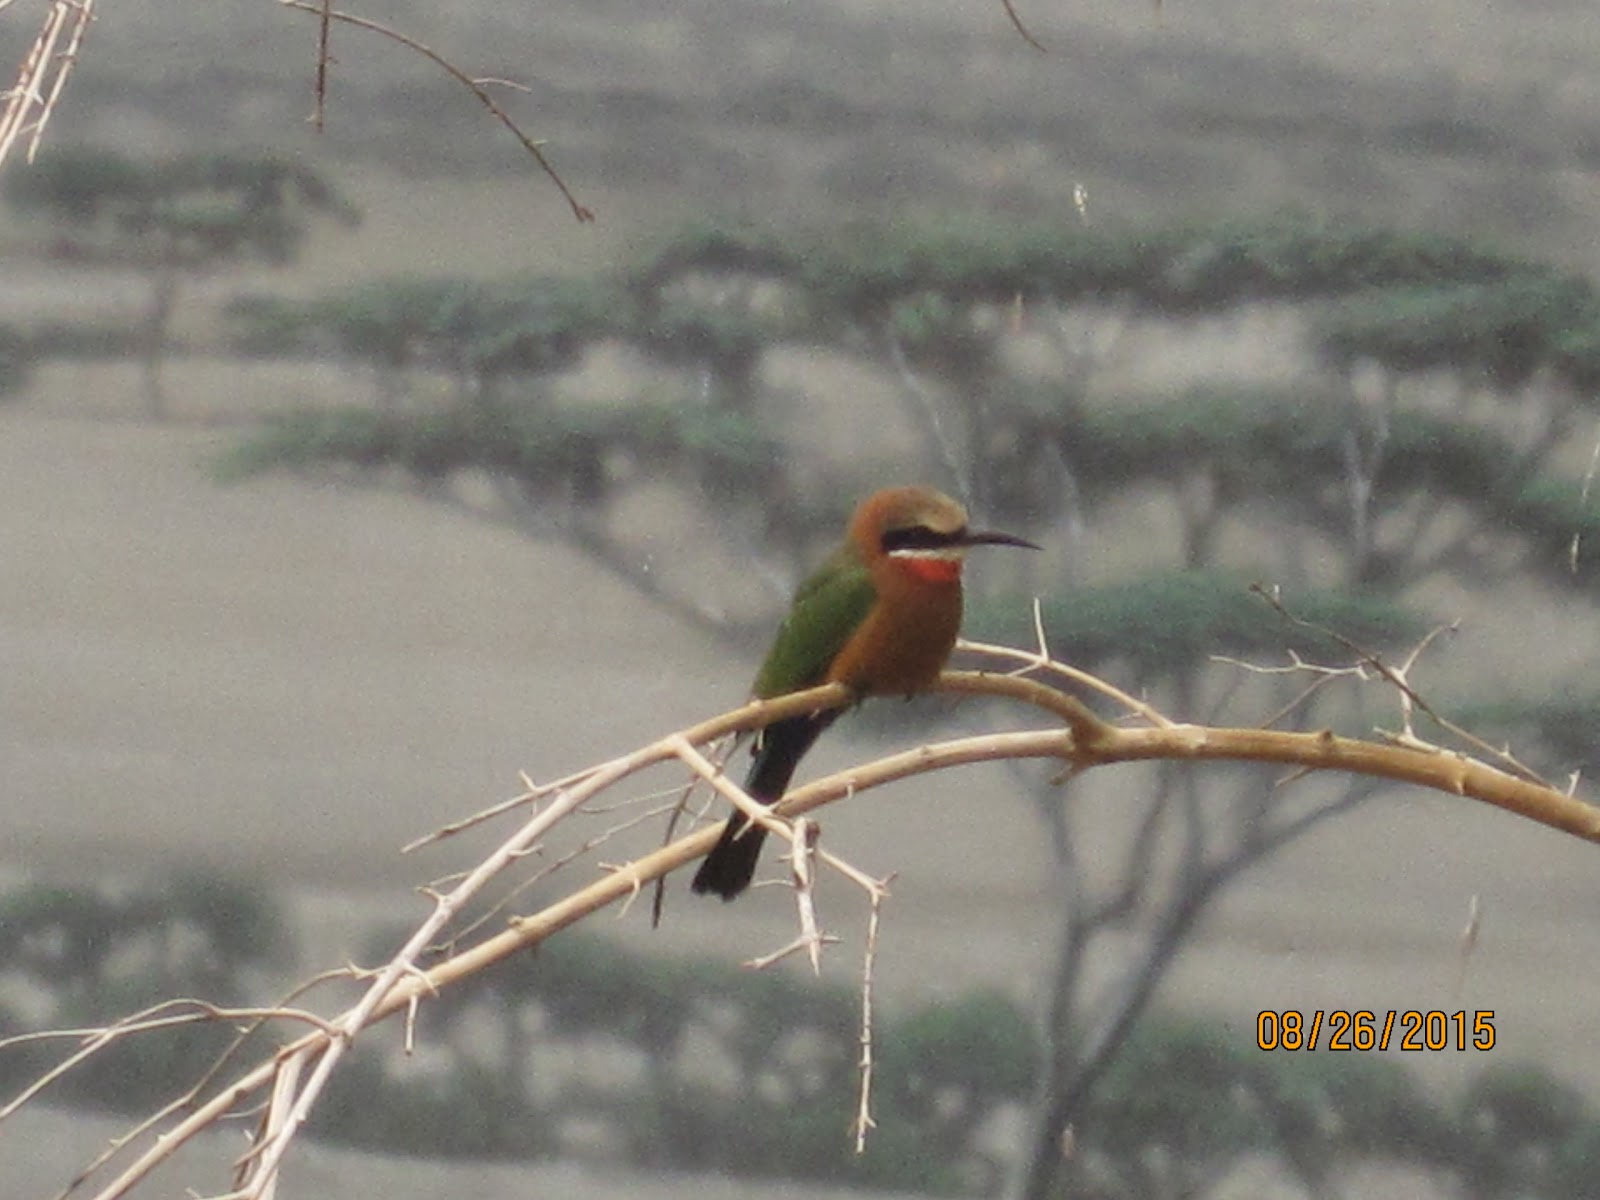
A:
(903, 644)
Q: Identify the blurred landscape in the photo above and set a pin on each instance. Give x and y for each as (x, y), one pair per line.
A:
(287, 680)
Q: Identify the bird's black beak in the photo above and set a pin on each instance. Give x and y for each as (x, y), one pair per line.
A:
(988, 537)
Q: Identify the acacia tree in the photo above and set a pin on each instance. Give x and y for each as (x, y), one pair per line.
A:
(170, 219)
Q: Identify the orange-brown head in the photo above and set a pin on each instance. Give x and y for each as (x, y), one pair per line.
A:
(920, 533)
(913, 541)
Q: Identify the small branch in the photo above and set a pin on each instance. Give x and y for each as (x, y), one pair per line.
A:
(864, 1122)
(1409, 697)
(802, 857)
(1040, 660)
(324, 57)
(150, 1020)
(324, 13)
(1321, 676)
(1022, 30)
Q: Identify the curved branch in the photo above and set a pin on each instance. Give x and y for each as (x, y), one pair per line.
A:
(1437, 769)
(1022, 30)
(1077, 737)
(325, 14)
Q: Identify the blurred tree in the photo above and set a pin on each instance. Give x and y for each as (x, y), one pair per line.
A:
(75, 957)
(172, 218)
(17, 355)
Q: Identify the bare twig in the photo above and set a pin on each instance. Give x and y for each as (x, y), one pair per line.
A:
(1409, 697)
(864, 1122)
(152, 1020)
(1321, 676)
(324, 30)
(324, 14)
(1040, 660)
(531, 795)
(801, 858)
(1022, 30)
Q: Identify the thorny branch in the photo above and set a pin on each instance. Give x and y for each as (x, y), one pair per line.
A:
(1022, 30)
(289, 1081)
(25, 110)
(1410, 699)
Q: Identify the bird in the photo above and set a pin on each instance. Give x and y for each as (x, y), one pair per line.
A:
(880, 615)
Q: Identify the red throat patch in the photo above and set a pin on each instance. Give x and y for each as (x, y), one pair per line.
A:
(932, 570)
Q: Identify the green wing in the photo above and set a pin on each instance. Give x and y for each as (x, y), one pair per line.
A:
(828, 608)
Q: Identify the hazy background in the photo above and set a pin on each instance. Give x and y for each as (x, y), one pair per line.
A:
(293, 680)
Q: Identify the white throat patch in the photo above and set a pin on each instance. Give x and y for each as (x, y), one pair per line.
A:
(936, 554)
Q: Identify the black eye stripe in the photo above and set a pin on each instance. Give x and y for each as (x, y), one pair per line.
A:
(920, 537)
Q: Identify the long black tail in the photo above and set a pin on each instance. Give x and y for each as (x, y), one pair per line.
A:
(731, 865)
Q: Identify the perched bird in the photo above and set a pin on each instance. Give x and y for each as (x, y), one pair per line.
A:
(879, 616)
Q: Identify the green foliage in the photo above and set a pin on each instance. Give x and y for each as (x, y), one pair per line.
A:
(195, 208)
(1256, 442)
(1175, 270)
(384, 322)
(464, 1112)
(1440, 457)
(533, 326)
(1185, 1095)
(1563, 523)
(587, 985)
(682, 332)
(1514, 1123)
(1372, 1105)
(715, 299)
(457, 325)
(1190, 1098)
(555, 453)
(165, 218)
(1505, 329)
(950, 1065)
(1285, 445)
(712, 248)
(1294, 258)
(18, 353)
(58, 936)
(78, 186)
(89, 340)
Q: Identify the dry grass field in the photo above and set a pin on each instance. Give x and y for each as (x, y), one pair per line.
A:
(292, 681)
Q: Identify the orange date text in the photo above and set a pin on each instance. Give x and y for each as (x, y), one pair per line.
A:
(1363, 1029)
